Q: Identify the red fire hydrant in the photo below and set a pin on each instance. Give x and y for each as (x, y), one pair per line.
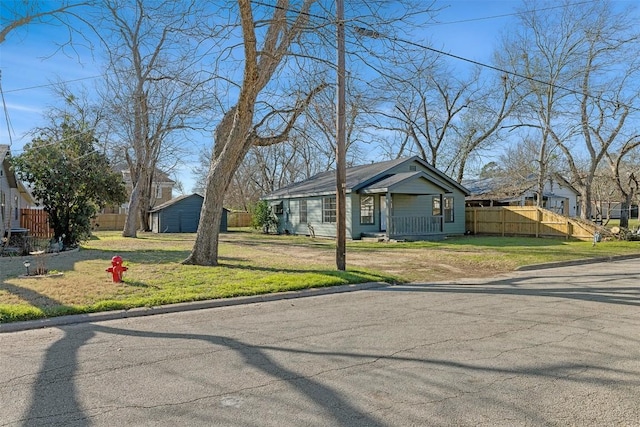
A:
(117, 268)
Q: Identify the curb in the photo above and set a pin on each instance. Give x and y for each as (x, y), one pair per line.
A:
(180, 307)
(583, 261)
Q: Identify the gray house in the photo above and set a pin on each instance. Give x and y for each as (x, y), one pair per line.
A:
(398, 199)
(181, 215)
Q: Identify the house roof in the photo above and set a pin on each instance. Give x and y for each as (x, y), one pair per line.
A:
(503, 189)
(363, 178)
(158, 175)
(387, 184)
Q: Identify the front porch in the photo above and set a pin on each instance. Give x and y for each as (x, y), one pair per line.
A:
(408, 228)
(415, 227)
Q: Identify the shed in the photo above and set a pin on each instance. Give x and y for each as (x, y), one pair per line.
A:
(181, 215)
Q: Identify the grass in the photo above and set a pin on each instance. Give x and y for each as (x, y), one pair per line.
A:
(252, 263)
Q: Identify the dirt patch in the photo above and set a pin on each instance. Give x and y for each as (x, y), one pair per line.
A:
(412, 264)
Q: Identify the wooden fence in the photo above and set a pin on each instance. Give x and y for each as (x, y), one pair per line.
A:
(239, 219)
(37, 222)
(526, 221)
(109, 222)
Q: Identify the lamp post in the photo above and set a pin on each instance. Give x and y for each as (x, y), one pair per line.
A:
(341, 168)
(27, 264)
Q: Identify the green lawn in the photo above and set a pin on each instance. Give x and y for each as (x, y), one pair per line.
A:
(252, 263)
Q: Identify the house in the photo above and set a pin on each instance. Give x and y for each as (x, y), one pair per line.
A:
(162, 189)
(404, 198)
(13, 195)
(181, 215)
(501, 191)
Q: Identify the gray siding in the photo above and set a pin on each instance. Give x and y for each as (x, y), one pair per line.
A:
(182, 217)
(458, 226)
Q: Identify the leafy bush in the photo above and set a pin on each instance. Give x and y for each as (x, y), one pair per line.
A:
(264, 218)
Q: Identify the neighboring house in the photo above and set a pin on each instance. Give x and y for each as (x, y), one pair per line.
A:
(181, 215)
(398, 199)
(13, 195)
(497, 191)
(161, 185)
(611, 209)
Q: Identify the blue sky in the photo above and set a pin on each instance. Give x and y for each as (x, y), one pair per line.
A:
(30, 62)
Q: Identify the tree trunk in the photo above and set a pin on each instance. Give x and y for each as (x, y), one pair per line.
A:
(131, 222)
(624, 211)
(145, 201)
(233, 135)
(585, 203)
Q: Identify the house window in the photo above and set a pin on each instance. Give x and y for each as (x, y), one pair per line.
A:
(329, 209)
(158, 192)
(366, 210)
(277, 208)
(412, 168)
(448, 209)
(302, 209)
(436, 206)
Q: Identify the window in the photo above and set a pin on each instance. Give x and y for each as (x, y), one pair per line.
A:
(329, 209)
(302, 208)
(412, 168)
(448, 209)
(436, 206)
(278, 208)
(366, 209)
(158, 192)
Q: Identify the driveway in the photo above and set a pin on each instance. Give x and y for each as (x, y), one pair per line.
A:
(552, 347)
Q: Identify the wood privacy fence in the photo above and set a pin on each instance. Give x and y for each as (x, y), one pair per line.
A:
(109, 222)
(526, 221)
(37, 222)
(239, 219)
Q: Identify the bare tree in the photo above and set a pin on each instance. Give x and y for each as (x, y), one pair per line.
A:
(444, 116)
(625, 175)
(582, 65)
(20, 13)
(236, 133)
(154, 90)
(283, 41)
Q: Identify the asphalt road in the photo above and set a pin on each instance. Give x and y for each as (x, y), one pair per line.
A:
(548, 347)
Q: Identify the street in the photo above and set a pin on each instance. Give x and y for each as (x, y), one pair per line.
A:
(558, 346)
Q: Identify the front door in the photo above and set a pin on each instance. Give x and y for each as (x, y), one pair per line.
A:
(383, 213)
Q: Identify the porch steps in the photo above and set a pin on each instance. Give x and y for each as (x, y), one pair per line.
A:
(373, 237)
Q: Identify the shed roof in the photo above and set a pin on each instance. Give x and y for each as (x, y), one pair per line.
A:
(177, 200)
(174, 201)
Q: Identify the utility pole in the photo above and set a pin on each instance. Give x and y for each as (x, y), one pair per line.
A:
(341, 168)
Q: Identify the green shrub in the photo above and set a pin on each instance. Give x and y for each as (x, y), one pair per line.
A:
(264, 218)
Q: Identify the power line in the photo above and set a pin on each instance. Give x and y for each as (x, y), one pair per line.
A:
(52, 84)
(6, 113)
(377, 35)
(505, 15)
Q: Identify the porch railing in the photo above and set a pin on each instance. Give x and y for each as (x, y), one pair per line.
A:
(415, 225)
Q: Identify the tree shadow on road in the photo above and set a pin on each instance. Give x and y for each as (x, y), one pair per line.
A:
(530, 286)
